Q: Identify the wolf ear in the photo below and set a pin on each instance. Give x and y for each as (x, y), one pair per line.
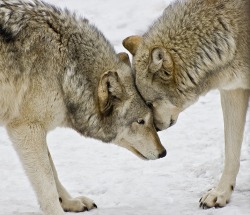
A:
(160, 58)
(109, 89)
(123, 56)
(131, 43)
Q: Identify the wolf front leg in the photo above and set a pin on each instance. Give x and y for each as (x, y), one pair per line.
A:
(68, 203)
(234, 106)
(30, 143)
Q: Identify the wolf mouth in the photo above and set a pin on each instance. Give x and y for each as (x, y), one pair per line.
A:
(140, 155)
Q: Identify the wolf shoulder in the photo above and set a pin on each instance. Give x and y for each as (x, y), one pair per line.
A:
(32, 53)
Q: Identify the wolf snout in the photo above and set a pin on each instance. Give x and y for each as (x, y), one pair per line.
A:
(159, 126)
(162, 154)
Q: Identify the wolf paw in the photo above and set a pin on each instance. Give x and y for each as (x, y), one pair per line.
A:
(215, 198)
(79, 204)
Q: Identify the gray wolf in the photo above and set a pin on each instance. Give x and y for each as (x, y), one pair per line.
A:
(194, 47)
(57, 69)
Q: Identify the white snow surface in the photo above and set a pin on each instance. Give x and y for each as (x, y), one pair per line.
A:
(119, 182)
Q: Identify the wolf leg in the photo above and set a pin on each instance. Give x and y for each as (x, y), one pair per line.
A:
(234, 106)
(68, 203)
(29, 141)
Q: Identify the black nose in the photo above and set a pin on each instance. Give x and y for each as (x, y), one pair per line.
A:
(163, 154)
(156, 128)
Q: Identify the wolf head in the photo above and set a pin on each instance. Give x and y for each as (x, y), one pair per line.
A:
(157, 81)
(108, 107)
(132, 121)
(181, 57)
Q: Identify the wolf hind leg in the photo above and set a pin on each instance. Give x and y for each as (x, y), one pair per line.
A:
(68, 203)
(29, 140)
(234, 106)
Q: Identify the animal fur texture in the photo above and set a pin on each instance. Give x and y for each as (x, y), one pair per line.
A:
(57, 69)
(194, 47)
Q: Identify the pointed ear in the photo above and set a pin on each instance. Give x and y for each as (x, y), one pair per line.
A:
(123, 56)
(109, 89)
(131, 43)
(161, 59)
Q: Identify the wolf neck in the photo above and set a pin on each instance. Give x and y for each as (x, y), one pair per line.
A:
(80, 82)
(81, 103)
(199, 77)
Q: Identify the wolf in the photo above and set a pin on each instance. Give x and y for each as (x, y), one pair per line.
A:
(57, 69)
(196, 46)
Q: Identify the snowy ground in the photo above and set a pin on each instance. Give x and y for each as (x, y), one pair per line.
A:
(119, 182)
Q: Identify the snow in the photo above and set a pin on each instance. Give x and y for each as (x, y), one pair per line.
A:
(119, 182)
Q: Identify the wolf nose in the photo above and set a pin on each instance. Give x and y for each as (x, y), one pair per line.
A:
(163, 154)
(156, 128)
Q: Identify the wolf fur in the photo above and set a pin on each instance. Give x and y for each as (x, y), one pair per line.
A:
(56, 69)
(194, 47)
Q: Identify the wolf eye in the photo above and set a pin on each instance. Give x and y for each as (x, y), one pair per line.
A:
(141, 121)
(149, 104)
(166, 73)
